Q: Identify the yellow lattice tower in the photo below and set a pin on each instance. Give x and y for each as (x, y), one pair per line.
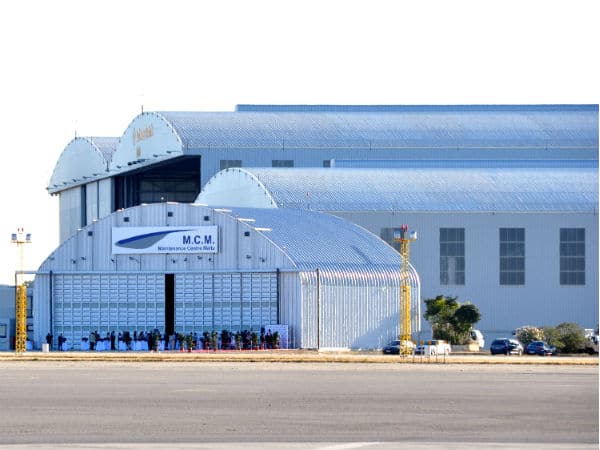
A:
(20, 238)
(21, 319)
(403, 237)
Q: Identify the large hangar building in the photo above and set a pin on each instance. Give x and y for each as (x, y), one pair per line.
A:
(164, 159)
(189, 268)
(519, 242)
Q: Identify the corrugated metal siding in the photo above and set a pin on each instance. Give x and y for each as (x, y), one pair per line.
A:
(85, 302)
(354, 311)
(290, 307)
(225, 301)
(69, 212)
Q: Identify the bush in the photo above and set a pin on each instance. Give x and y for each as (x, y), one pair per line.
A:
(528, 334)
(567, 337)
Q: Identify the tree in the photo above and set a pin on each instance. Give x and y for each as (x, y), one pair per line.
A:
(567, 337)
(450, 320)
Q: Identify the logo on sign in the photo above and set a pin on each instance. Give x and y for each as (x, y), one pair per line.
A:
(164, 240)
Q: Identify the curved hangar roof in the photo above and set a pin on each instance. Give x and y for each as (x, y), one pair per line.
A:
(409, 189)
(152, 137)
(83, 158)
(345, 127)
(303, 240)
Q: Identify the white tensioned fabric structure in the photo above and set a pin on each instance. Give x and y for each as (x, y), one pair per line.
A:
(83, 159)
(333, 283)
(407, 189)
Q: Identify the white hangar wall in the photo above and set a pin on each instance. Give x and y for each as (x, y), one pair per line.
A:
(259, 276)
(541, 301)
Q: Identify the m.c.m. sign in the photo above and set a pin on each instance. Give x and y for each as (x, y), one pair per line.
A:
(140, 240)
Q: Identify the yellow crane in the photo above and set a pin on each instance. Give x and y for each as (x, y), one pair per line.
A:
(20, 238)
(404, 238)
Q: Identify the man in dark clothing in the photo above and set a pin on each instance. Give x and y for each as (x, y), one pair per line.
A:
(49, 338)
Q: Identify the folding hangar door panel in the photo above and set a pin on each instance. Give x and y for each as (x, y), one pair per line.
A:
(101, 302)
(225, 301)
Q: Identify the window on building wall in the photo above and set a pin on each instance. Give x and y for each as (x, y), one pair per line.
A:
(572, 256)
(452, 256)
(282, 163)
(227, 163)
(512, 256)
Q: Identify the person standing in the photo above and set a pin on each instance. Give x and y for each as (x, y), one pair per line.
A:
(92, 340)
(49, 338)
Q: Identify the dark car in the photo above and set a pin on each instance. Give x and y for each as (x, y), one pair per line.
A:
(393, 348)
(540, 348)
(506, 346)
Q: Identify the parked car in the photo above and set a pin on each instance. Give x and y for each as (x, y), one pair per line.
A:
(434, 347)
(591, 341)
(540, 348)
(506, 346)
(393, 348)
(477, 336)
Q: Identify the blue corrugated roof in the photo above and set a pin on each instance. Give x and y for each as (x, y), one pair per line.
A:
(313, 239)
(428, 189)
(331, 126)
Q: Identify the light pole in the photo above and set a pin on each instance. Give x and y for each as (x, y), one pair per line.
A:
(404, 238)
(20, 238)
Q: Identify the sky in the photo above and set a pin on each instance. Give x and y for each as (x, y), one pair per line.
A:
(87, 68)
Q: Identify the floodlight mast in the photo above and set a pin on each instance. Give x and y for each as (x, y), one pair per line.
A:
(404, 238)
(20, 238)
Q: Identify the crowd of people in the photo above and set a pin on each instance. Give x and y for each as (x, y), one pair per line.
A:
(156, 341)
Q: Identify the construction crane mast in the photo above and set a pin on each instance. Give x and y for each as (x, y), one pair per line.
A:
(20, 238)
(404, 238)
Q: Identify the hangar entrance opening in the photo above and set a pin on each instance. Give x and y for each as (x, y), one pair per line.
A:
(177, 180)
(169, 304)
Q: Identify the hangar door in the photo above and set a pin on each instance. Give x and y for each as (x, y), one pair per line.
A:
(84, 303)
(225, 301)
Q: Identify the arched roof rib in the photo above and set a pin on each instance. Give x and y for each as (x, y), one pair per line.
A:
(462, 126)
(83, 158)
(312, 240)
(410, 189)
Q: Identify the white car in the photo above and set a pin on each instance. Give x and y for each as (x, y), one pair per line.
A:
(591, 340)
(433, 348)
(477, 336)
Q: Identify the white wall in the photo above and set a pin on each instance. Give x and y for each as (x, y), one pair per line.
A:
(541, 301)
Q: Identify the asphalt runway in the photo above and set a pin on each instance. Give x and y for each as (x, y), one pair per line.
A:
(47, 404)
